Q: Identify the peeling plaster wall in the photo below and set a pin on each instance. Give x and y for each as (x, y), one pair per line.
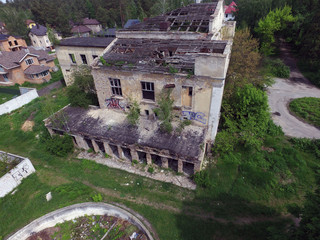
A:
(65, 62)
(131, 88)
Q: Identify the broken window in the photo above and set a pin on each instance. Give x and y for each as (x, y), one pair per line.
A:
(147, 90)
(187, 96)
(15, 42)
(72, 58)
(115, 86)
(83, 58)
(94, 56)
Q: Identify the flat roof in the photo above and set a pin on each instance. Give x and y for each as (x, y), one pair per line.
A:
(159, 54)
(192, 18)
(102, 42)
(111, 126)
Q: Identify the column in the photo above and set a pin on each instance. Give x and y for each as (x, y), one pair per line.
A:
(197, 167)
(164, 162)
(121, 155)
(149, 159)
(180, 166)
(50, 131)
(95, 146)
(81, 142)
(107, 149)
(134, 154)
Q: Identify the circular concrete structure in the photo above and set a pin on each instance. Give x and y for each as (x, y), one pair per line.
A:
(79, 210)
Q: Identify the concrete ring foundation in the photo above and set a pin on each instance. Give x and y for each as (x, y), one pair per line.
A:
(79, 210)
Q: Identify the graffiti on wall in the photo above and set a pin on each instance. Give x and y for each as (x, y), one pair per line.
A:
(113, 103)
(197, 116)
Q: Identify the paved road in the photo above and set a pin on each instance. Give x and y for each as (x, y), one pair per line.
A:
(285, 90)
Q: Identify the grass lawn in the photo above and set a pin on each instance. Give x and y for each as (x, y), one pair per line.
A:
(232, 209)
(4, 97)
(308, 109)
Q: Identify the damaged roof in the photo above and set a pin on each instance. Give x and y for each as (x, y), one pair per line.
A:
(87, 42)
(159, 54)
(111, 126)
(192, 18)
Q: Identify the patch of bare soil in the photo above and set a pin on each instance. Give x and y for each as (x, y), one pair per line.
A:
(44, 234)
(27, 126)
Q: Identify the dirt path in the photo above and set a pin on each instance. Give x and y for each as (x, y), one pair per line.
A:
(285, 90)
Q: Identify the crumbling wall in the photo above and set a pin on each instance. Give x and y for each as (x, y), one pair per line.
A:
(131, 89)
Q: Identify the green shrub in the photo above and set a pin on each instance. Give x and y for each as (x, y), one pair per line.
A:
(106, 155)
(57, 145)
(164, 111)
(134, 161)
(97, 197)
(134, 113)
(90, 150)
(173, 70)
(278, 69)
(203, 179)
(151, 170)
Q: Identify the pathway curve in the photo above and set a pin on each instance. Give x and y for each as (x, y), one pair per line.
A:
(285, 90)
(82, 209)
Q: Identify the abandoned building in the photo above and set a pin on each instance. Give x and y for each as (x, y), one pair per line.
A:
(187, 51)
(72, 52)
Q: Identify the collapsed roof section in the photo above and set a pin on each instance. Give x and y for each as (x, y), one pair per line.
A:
(112, 126)
(192, 18)
(160, 55)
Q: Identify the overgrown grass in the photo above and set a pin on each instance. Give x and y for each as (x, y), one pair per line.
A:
(4, 97)
(307, 108)
(175, 213)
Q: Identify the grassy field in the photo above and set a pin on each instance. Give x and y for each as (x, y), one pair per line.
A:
(231, 209)
(4, 97)
(308, 109)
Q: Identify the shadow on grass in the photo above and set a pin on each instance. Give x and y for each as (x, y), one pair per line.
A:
(229, 217)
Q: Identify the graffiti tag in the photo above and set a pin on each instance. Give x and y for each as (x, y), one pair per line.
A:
(17, 176)
(113, 103)
(197, 116)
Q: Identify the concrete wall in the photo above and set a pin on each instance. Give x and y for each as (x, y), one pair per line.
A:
(65, 62)
(79, 210)
(18, 102)
(13, 178)
(40, 41)
(131, 89)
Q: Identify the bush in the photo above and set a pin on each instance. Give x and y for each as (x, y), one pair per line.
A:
(97, 197)
(57, 145)
(134, 161)
(151, 170)
(90, 150)
(278, 69)
(134, 113)
(202, 179)
(106, 155)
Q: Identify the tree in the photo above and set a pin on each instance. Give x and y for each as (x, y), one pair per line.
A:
(275, 21)
(15, 20)
(51, 36)
(82, 92)
(90, 9)
(244, 63)
(164, 111)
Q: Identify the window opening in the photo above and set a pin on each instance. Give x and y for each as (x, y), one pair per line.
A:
(72, 58)
(147, 90)
(29, 61)
(115, 86)
(83, 58)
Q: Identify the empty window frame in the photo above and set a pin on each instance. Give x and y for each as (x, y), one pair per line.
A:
(115, 86)
(10, 43)
(15, 42)
(94, 56)
(187, 96)
(147, 90)
(83, 58)
(72, 58)
(29, 61)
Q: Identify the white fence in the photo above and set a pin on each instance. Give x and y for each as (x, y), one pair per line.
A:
(18, 102)
(14, 177)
